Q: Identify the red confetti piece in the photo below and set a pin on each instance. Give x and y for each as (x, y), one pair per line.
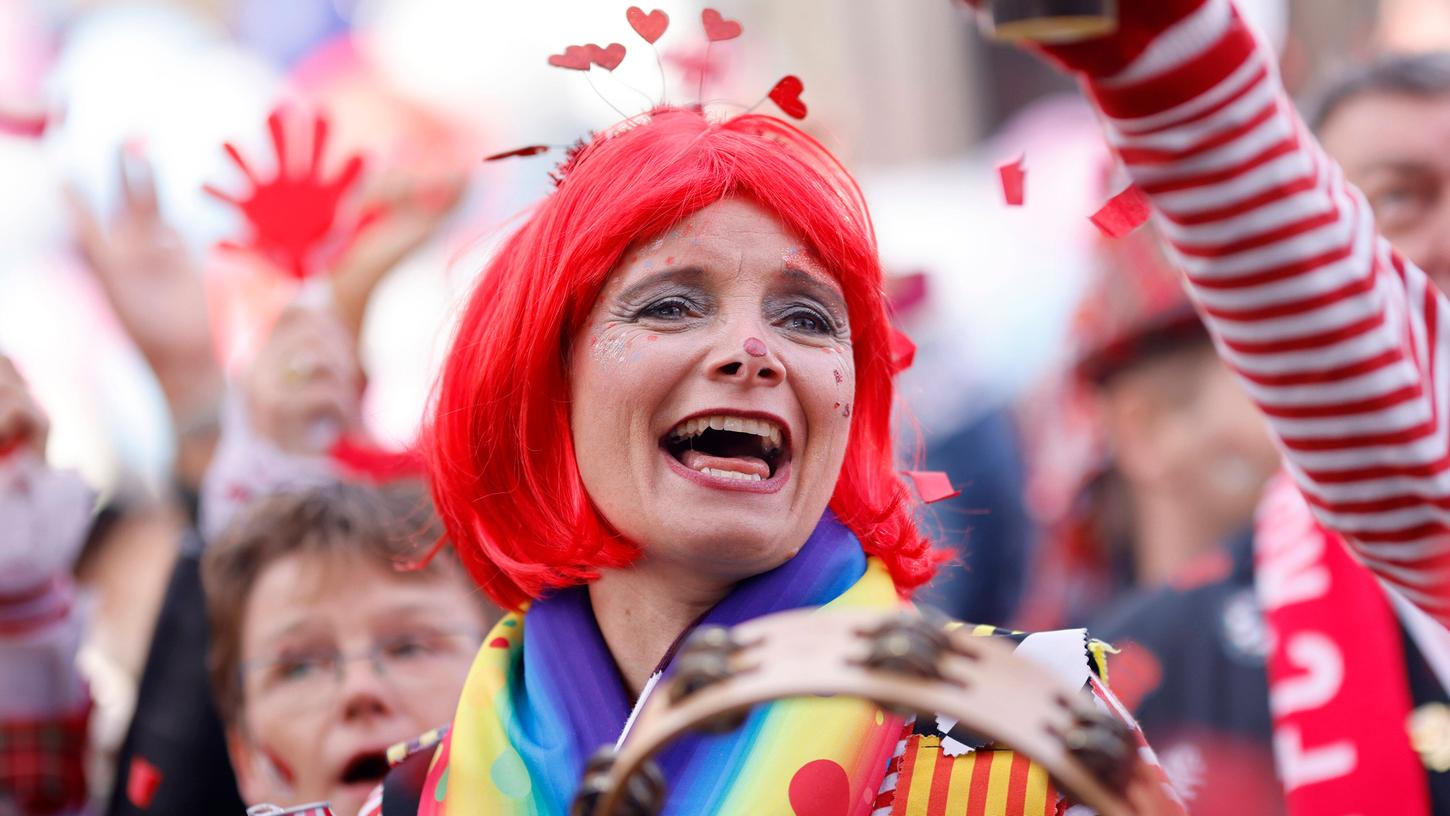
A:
(903, 351)
(787, 96)
(1014, 181)
(575, 58)
(498, 643)
(649, 26)
(932, 486)
(142, 782)
(1123, 213)
(608, 57)
(531, 150)
(718, 28)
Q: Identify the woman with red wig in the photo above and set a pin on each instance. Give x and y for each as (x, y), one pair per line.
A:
(668, 405)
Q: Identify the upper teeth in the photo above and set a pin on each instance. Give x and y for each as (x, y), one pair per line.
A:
(760, 427)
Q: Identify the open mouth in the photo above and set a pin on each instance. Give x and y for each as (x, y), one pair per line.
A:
(725, 446)
(369, 766)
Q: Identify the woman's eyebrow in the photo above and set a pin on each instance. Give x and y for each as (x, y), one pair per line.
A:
(827, 294)
(681, 274)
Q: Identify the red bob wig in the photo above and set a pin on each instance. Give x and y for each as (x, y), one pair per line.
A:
(498, 443)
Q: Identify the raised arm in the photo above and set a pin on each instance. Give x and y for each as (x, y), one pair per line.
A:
(1335, 336)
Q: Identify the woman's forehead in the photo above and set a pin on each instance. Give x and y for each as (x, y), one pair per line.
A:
(729, 232)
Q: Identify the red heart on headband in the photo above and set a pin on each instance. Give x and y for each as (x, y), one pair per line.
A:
(575, 58)
(649, 26)
(606, 58)
(718, 28)
(787, 95)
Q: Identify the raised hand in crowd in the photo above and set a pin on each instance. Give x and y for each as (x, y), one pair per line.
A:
(156, 290)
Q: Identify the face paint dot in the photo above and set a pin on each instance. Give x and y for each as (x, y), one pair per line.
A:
(498, 643)
(510, 776)
(652, 338)
(846, 410)
(839, 378)
(510, 622)
(650, 264)
(670, 259)
(754, 347)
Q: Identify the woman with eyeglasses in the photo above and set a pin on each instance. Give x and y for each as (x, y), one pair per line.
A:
(325, 653)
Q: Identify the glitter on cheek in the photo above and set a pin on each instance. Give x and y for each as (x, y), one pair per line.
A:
(610, 349)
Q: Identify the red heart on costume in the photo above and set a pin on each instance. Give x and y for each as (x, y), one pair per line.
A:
(649, 26)
(718, 28)
(575, 58)
(606, 58)
(787, 95)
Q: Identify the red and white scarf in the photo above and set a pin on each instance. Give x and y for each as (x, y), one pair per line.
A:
(1338, 690)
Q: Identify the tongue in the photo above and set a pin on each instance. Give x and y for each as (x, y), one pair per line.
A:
(748, 465)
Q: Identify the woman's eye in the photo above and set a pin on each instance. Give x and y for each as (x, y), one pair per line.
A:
(293, 669)
(671, 309)
(406, 647)
(1398, 207)
(807, 321)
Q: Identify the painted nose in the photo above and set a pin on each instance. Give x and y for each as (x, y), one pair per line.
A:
(747, 360)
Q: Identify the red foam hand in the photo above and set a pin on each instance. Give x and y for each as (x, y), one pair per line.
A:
(1123, 213)
(607, 58)
(575, 58)
(787, 96)
(718, 28)
(1014, 182)
(294, 214)
(649, 26)
(932, 486)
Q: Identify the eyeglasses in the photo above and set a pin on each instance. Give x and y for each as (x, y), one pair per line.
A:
(418, 661)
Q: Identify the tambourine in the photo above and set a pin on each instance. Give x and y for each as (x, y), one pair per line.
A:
(1052, 21)
(900, 661)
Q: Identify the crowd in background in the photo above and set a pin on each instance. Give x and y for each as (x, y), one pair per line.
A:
(211, 524)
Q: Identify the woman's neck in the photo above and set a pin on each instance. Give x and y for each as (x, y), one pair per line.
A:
(642, 610)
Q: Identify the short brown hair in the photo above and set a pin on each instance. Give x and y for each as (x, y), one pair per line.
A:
(393, 525)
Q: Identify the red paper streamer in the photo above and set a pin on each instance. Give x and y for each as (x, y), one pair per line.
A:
(1123, 213)
(718, 28)
(531, 150)
(932, 486)
(649, 26)
(1014, 181)
(787, 96)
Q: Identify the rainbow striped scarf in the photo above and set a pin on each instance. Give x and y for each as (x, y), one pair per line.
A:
(544, 694)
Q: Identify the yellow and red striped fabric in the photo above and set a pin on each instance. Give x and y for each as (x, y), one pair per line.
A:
(982, 783)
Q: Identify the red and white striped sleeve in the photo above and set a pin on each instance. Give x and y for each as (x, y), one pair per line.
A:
(1335, 336)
